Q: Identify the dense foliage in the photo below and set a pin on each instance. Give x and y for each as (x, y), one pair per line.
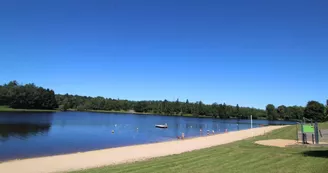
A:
(27, 96)
(30, 96)
(315, 110)
(158, 107)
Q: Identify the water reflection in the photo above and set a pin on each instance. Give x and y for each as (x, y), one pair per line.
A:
(23, 125)
(22, 131)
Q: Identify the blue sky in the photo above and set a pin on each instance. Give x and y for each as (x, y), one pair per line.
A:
(233, 51)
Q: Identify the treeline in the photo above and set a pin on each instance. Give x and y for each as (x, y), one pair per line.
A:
(27, 96)
(313, 111)
(177, 107)
(30, 96)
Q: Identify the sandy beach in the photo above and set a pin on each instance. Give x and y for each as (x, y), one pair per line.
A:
(76, 161)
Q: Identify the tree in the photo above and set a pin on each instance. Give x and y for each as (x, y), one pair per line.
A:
(215, 110)
(177, 108)
(271, 112)
(201, 108)
(186, 107)
(327, 110)
(282, 112)
(238, 112)
(27, 96)
(295, 112)
(315, 110)
(224, 111)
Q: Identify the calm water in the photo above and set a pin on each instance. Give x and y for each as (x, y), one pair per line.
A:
(25, 135)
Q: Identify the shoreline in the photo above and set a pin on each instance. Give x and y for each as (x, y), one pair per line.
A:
(7, 109)
(126, 154)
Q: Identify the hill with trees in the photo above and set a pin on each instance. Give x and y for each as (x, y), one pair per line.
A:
(30, 96)
(27, 96)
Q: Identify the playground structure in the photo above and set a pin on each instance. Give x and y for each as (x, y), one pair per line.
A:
(308, 132)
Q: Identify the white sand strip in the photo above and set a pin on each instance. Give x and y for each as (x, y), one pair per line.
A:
(76, 161)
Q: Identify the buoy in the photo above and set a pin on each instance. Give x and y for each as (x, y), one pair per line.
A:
(112, 131)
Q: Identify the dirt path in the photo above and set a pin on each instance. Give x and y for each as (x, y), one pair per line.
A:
(111, 156)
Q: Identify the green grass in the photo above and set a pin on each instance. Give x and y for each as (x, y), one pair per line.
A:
(242, 156)
(8, 109)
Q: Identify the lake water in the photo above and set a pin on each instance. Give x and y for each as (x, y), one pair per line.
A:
(24, 135)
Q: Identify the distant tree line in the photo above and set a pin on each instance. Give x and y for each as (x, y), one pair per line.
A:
(27, 96)
(30, 96)
(313, 111)
(166, 107)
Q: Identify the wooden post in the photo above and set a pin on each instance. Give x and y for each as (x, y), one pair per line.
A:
(312, 138)
(297, 132)
(316, 133)
(303, 135)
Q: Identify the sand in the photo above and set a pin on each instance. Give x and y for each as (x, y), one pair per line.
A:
(284, 142)
(76, 161)
(277, 142)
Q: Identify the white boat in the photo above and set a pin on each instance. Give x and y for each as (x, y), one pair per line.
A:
(161, 125)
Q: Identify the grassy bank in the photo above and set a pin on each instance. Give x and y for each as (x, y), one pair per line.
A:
(8, 109)
(243, 156)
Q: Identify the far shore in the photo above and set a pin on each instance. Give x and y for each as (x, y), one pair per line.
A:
(8, 109)
(111, 156)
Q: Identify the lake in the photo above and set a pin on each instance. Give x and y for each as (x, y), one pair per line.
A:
(24, 135)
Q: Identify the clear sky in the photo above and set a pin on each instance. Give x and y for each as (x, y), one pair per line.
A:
(233, 51)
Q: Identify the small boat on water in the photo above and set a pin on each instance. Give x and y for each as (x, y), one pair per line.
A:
(161, 126)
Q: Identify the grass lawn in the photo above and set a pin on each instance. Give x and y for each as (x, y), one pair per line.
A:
(8, 109)
(242, 156)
